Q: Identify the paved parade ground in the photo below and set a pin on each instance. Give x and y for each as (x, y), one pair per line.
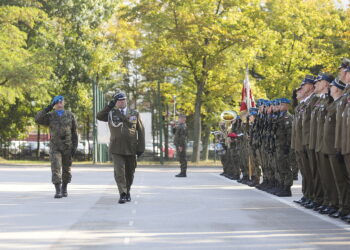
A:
(203, 211)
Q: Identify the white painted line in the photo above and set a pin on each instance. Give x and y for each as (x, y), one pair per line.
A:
(131, 223)
(325, 218)
(136, 203)
(126, 241)
(133, 211)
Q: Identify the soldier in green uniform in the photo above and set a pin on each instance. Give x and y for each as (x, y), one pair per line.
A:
(307, 156)
(180, 141)
(235, 171)
(63, 142)
(324, 181)
(127, 140)
(253, 148)
(282, 144)
(336, 160)
(345, 138)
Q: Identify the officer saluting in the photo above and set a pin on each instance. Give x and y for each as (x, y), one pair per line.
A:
(63, 143)
(127, 140)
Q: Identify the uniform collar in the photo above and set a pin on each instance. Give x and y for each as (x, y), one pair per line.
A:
(307, 98)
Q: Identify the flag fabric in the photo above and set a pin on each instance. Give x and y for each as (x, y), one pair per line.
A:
(247, 96)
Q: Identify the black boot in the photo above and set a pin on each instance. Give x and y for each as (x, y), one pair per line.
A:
(182, 173)
(128, 197)
(58, 191)
(122, 198)
(64, 190)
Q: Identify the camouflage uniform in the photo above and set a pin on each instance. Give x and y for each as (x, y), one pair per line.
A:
(180, 139)
(282, 141)
(63, 143)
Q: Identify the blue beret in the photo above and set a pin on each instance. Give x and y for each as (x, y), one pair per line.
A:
(285, 100)
(326, 77)
(339, 84)
(267, 103)
(56, 99)
(253, 110)
(275, 102)
(120, 96)
(238, 117)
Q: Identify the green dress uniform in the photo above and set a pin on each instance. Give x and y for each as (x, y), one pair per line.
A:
(327, 179)
(318, 190)
(299, 149)
(337, 164)
(308, 157)
(63, 142)
(127, 139)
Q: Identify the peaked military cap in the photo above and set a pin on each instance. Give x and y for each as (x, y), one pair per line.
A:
(344, 63)
(308, 79)
(339, 84)
(120, 96)
(323, 76)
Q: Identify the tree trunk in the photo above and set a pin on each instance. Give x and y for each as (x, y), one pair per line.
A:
(206, 142)
(197, 123)
(88, 137)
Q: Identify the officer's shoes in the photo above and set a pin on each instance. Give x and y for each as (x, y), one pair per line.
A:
(128, 197)
(181, 175)
(328, 210)
(337, 214)
(122, 198)
(302, 199)
(346, 218)
(312, 205)
(58, 194)
(319, 208)
(64, 190)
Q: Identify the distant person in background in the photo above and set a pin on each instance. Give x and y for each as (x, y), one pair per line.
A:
(127, 140)
(180, 140)
(63, 143)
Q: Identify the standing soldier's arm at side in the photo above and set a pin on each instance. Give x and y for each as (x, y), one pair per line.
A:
(74, 135)
(140, 136)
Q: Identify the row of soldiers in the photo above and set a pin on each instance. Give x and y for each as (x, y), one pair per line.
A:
(261, 144)
(315, 141)
(321, 142)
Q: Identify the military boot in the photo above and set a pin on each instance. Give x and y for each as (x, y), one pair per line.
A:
(181, 174)
(58, 191)
(64, 190)
(285, 192)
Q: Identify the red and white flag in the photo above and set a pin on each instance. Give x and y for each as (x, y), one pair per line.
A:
(247, 96)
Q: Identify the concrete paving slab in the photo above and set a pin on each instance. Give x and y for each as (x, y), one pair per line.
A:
(203, 211)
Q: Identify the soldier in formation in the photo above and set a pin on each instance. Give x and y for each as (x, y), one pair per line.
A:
(315, 140)
(261, 146)
(63, 142)
(321, 142)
